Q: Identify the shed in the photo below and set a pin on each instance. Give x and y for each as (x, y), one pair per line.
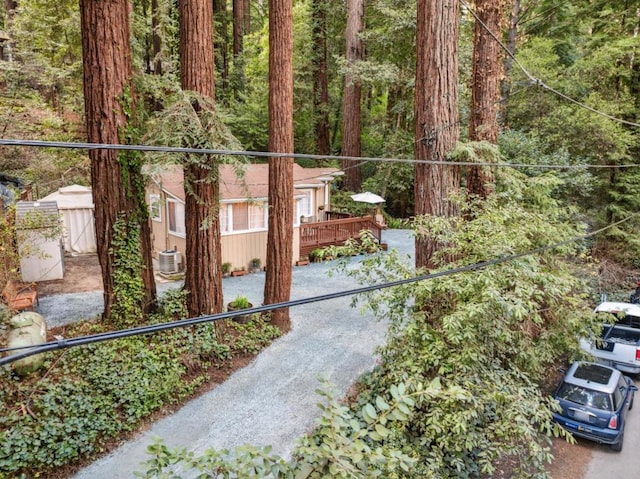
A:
(75, 204)
(39, 243)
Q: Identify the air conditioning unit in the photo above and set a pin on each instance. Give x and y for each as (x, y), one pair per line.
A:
(169, 261)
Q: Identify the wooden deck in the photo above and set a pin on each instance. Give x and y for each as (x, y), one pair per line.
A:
(335, 232)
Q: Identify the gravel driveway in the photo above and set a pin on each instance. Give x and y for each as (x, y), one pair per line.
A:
(272, 401)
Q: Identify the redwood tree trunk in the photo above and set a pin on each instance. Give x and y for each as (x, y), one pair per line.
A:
(156, 39)
(485, 89)
(238, 26)
(508, 60)
(436, 114)
(203, 278)
(221, 41)
(351, 107)
(116, 185)
(277, 286)
(247, 16)
(321, 81)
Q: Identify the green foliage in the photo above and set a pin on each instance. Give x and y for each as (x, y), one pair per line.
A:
(47, 40)
(84, 398)
(489, 337)
(252, 336)
(240, 302)
(173, 304)
(346, 443)
(9, 258)
(365, 243)
(128, 286)
(106, 389)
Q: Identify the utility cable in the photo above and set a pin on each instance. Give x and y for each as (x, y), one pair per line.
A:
(142, 330)
(267, 154)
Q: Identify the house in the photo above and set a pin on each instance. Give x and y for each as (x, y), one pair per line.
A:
(243, 210)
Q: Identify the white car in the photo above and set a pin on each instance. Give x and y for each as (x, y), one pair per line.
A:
(619, 342)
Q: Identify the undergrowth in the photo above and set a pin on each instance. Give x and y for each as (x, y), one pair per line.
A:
(84, 398)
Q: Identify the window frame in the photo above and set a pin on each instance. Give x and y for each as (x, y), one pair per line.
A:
(183, 233)
(226, 225)
(155, 207)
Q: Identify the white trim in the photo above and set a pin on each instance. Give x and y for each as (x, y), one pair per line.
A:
(155, 205)
(179, 218)
(227, 205)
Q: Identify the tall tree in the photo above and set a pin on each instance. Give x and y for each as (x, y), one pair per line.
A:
(436, 114)
(277, 286)
(351, 106)
(247, 16)
(222, 38)
(117, 184)
(238, 26)
(156, 38)
(203, 278)
(512, 33)
(320, 75)
(485, 88)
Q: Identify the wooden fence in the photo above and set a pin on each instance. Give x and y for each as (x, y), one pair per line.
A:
(335, 232)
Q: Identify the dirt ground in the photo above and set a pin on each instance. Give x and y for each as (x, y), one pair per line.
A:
(571, 460)
(81, 273)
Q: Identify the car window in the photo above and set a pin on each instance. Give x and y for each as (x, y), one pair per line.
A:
(619, 393)
(627, 320)
(585, 397)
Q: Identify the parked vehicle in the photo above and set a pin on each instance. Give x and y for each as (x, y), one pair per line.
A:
(619, 341)
(594, 400)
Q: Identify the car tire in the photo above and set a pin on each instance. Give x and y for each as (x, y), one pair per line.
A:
(617, 447)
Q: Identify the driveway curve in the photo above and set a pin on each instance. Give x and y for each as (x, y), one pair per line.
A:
(272, 401)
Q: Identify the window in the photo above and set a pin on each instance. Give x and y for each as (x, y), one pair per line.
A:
(175, 214)
(240, 216)
(257, 216)
(245, 216)
(304, 204)
(585, 397)
(223, 216)
(155, 208)
(303, 207)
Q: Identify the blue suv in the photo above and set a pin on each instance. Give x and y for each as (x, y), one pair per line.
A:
(594, 400)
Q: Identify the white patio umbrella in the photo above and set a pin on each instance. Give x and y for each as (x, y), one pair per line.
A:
(368, 197)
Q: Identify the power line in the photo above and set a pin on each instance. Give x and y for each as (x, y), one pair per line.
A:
(142, 330)
(268, 154)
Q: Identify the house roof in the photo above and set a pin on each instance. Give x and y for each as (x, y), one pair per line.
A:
(255, 182)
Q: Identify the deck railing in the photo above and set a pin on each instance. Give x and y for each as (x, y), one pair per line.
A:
(335, 232)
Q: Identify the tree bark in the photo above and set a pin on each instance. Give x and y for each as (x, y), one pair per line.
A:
(321, 80)
(238, 26)
(508, 60)
(156, 38)
(247, 16)
(351, 106)
(436, 114)
(485, 89)
(116, 184)
(277, 286)
(203, 277)
(221, 41)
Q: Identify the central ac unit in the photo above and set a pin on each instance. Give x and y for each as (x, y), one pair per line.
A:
(169, 261)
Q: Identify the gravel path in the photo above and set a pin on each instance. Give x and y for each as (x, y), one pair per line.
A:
(272, 401)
